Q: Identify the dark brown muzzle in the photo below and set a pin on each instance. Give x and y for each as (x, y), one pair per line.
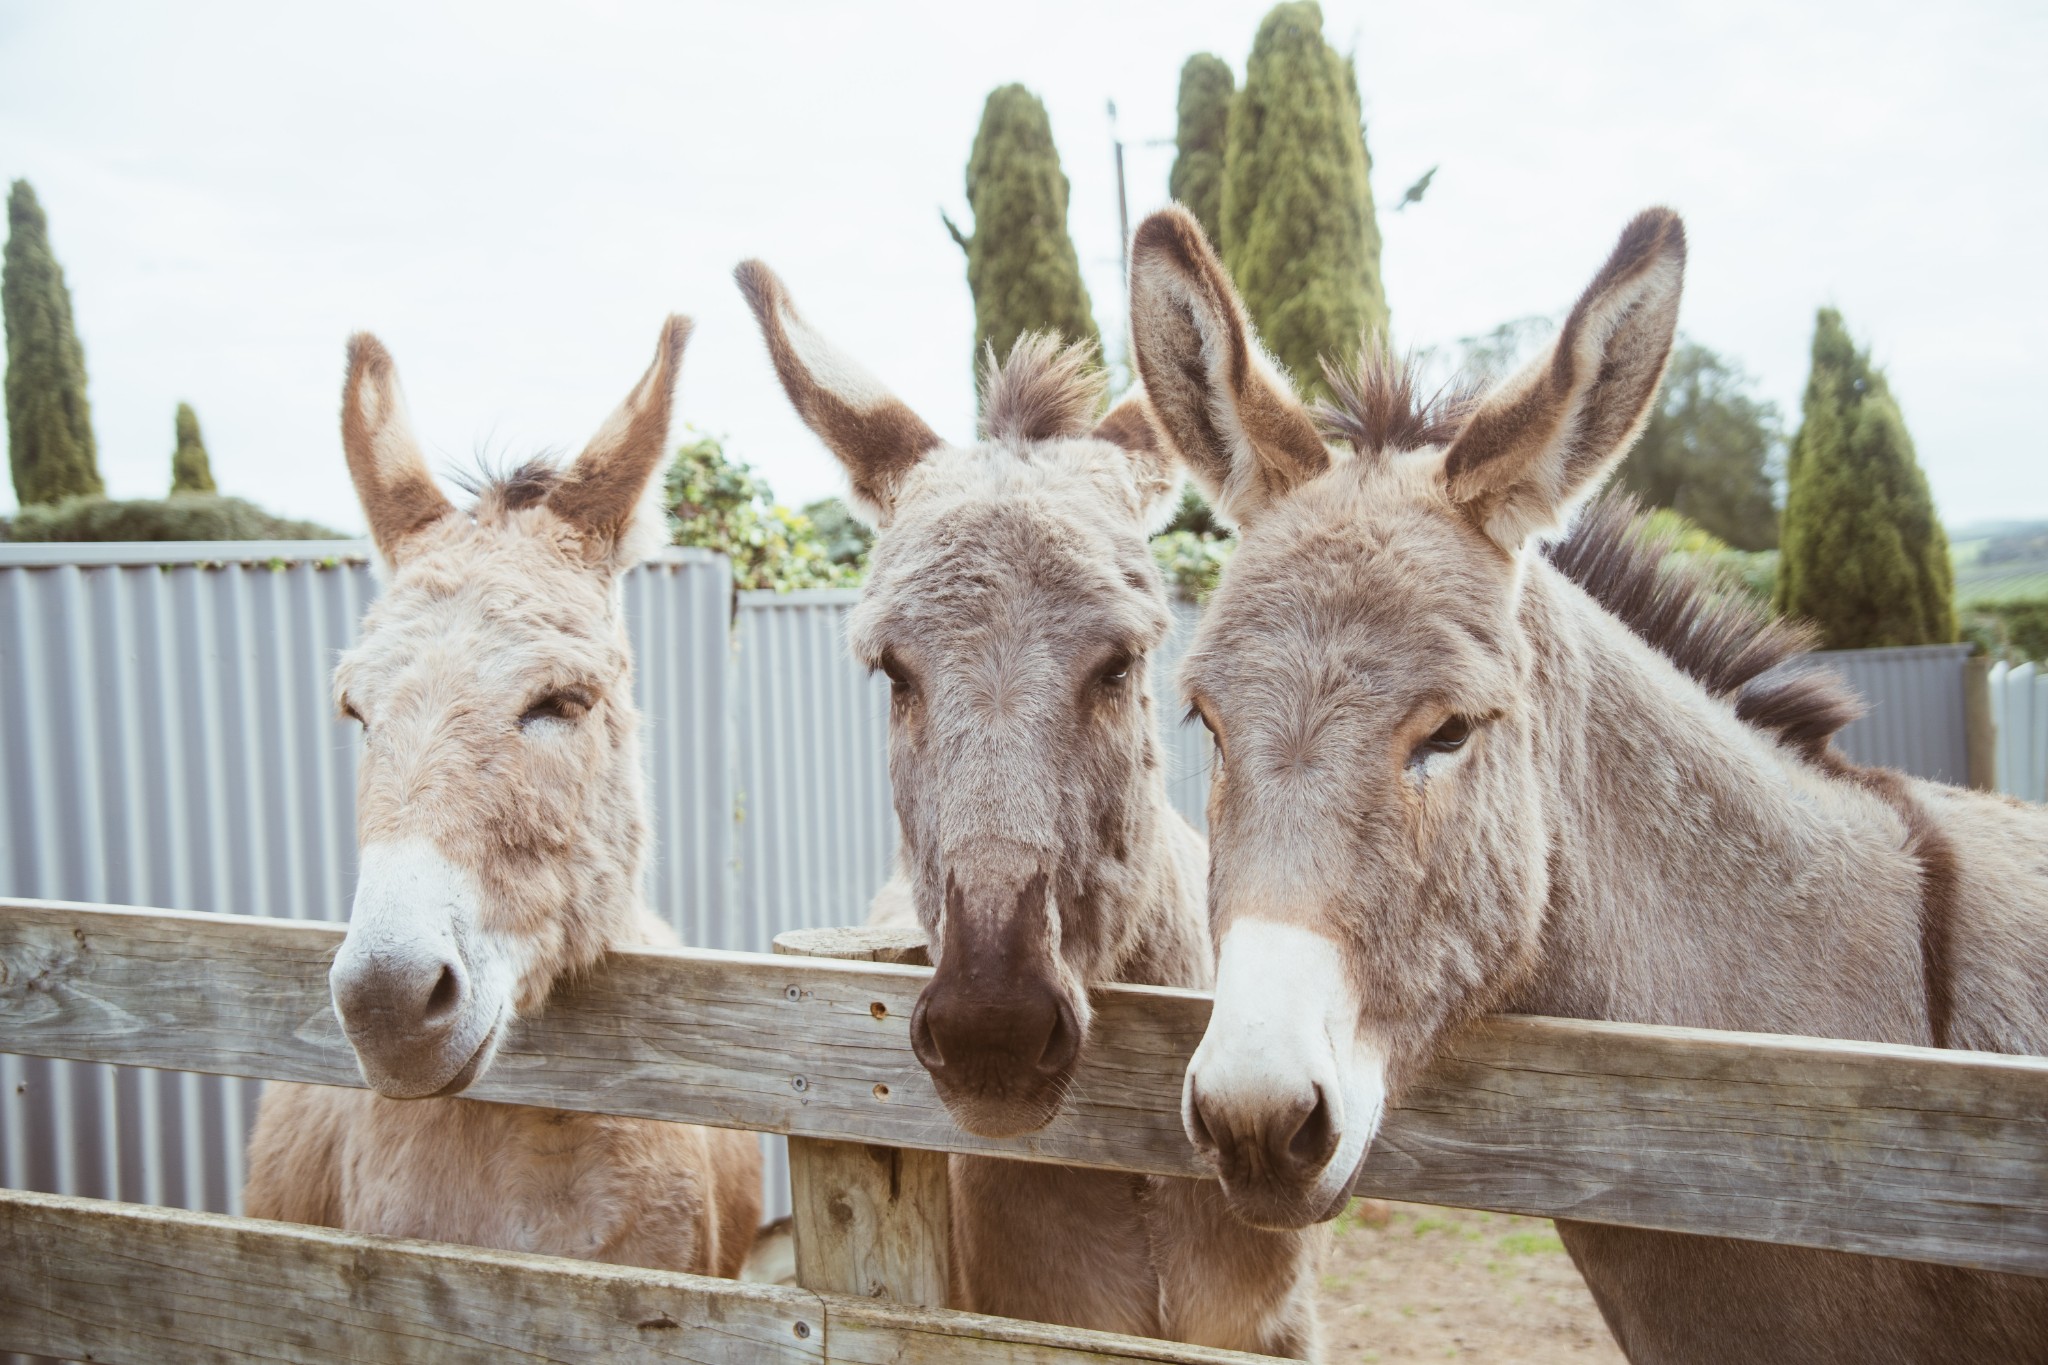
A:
(996, 1029)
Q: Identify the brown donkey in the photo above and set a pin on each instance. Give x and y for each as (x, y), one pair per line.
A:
(1448, 781)
(503, 833)
(1012, 602)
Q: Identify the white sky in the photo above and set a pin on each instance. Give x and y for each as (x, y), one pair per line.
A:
(513, 195)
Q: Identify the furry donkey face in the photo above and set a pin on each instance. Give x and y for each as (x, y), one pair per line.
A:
(1012, 602)
(499, 819)
(1378, 856)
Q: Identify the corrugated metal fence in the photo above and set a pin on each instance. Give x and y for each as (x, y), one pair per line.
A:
(2019, 715)
(168, 738)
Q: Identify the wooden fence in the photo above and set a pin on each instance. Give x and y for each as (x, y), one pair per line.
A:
(1894, 1151)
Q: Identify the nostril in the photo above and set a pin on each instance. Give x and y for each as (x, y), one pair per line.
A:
(1063, 1044)
(923, 1044)
(1198, 1125)
(1314, 1139)
(447, 993)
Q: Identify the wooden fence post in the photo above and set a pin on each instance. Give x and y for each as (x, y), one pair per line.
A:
(869, 1220)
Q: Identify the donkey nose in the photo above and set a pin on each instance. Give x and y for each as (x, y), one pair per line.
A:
(1290, 1141)
(1033, 1029)
(410, 996)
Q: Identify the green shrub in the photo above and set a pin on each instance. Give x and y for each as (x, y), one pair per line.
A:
(719, 504)
(1192, 562)
(49, 422)
(1864, 557)
(1021, 264)
(183, 516)
(1299, 233)
(191, 470)
(1206, 88)
(2013, 631)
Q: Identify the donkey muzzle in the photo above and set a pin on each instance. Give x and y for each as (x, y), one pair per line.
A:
(996, 1029)
(421, 990)
(1280, 1098)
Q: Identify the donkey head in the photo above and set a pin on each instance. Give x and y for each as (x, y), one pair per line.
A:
(499, 802)
(1012, 603)
(1378, 866)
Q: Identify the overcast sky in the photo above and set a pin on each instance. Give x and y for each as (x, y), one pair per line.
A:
(513, 195)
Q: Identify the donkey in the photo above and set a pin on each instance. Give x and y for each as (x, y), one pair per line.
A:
(1012, 602)
(501, 817)
(1448, 781)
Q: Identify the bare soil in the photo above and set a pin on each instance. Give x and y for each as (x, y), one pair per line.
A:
(1409, 1283)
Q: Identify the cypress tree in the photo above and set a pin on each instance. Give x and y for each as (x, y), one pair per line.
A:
(191, 471)
(1206, 87)
(49, 423)
(1021, 263)
(1299, 234)
(1863, 556)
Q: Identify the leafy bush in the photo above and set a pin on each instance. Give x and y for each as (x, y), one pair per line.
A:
(723, 505)
(1192, 562)
(2013, 631)
(182, 516)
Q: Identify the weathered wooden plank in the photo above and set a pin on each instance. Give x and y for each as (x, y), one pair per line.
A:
(89, 1280)
(859, 943)
(1898, 1151)
(125, 1283)
(869, 1332)
(871, 1221)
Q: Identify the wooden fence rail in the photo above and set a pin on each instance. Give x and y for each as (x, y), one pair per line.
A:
(1897, 1151)
(86, 1279)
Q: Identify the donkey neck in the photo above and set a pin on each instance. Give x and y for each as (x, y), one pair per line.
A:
(1699, 873)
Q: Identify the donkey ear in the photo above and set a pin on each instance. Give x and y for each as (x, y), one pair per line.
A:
(398, 495)
(873, 432)
(1220, 400)
(1543, 441)
(604, 495)
(1131, 427)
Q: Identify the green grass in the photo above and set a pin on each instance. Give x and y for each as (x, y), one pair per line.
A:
(1529, 1243)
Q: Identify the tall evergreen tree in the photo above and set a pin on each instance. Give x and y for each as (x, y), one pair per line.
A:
(1206, 88)
(49, 423)
(1707, 451)
(1863, 556)
(1021, 263)
(1299, 234)
(191, 471)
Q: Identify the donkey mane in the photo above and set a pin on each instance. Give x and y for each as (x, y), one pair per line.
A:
(1379, 407)
(1714, 632)
(1045, 390)
(499, 491)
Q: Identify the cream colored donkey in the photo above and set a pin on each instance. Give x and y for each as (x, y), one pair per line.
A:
(503, 836)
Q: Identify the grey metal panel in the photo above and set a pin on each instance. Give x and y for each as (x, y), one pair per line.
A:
(817, 828)
(1916, 721)
(1187, 745)
(2019, 717)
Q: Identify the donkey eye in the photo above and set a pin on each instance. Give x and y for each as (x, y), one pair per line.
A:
(1116, 672)
(348, 709)
(564, 706)
(1450, 736)
(899, 678)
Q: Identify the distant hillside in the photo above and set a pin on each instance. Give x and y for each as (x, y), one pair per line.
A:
(2000, 561)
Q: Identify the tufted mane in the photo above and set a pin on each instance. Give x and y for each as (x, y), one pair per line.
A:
(1045, 390)
(1713, 632)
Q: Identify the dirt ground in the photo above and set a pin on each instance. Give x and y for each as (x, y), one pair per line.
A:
(1408, 1283)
